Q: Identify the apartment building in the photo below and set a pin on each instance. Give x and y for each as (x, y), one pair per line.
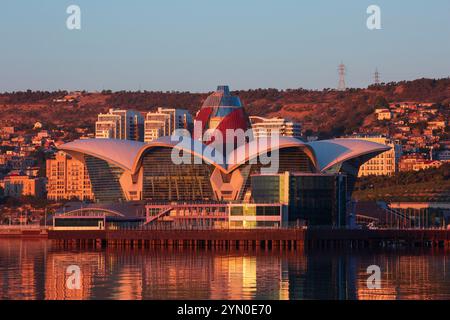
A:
(383, 114)
(164, 122)
(67, 178)
(19, 185)
(417, 162)
(120, 124)
(156, 125)
(265, 127)
(384, 164)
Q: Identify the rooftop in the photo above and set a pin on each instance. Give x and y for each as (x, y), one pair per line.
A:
(222, 98)
(126, 154)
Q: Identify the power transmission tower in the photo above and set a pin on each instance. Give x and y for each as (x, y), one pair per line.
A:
(377, 77)
(341, 69)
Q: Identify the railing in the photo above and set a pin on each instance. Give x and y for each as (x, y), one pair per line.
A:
(181, 227)
(21, 227)
(159, 215)
(162, 227)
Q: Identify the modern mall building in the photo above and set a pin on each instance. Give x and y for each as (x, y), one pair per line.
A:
(311, 184)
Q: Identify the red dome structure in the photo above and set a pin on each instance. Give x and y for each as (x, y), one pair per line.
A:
(221, 111)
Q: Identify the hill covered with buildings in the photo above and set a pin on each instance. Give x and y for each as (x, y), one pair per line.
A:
(325, 112)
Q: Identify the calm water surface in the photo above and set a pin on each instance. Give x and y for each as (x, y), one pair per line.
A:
(33, 269)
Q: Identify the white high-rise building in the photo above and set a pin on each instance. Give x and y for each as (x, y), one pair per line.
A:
(179, 119)
(165, 121)
(107, 127)
(265, 127)
(156, 125)
(120, 124)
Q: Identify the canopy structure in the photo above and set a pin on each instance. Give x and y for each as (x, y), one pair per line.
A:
(128, 154)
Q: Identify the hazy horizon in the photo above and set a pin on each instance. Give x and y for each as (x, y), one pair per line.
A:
(212, 89)
(178, 45)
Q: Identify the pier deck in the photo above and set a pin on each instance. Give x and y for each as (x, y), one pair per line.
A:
(267, 238)
(23, 232)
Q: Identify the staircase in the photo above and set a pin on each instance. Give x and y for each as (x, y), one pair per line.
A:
(163, 212)
(399, 214)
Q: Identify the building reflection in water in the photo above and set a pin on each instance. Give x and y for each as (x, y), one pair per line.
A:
(35, 270)
(22, 269)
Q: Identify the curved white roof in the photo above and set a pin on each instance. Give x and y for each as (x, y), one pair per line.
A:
(120, 152)
(332, 152)
(256, 147)
(196, 147)
(127, 154)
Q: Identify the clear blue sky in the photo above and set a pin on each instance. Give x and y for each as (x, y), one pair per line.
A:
(196, 44)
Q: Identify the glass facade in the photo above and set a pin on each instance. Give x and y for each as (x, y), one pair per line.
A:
(78, 222)
(290, 160)
(253, 224)
(256, 216)
(294, 160)
(105, 180)
(255, 210)
(266, 189)
(165, 181)
(318, 199)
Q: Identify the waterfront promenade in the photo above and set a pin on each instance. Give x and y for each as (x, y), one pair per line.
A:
(23, 231)
(259, 238)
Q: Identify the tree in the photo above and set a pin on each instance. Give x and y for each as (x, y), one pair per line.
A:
(381, 102)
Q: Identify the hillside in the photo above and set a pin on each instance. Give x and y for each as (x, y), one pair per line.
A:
(425, 185)
(327, 112)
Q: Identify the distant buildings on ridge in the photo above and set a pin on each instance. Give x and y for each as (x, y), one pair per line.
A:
(131, 124)
(265, 127)
(120, 124)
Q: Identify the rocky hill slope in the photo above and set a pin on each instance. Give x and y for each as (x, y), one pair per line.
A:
(327, 112)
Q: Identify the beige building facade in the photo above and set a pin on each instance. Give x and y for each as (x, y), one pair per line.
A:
(385, 164)
(265, 127)
(68, 178)
(17, 186)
